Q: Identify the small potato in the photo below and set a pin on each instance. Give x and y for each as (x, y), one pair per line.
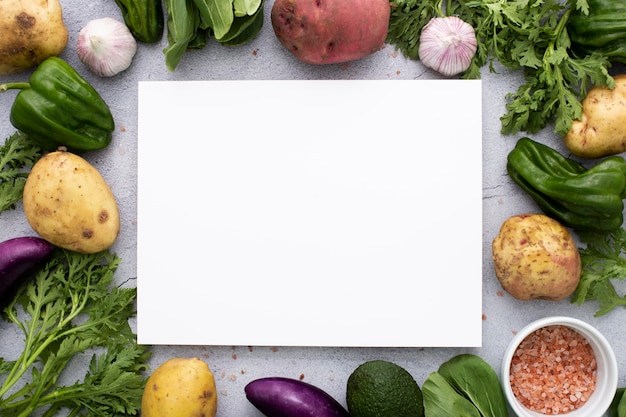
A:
(602, 128)
(68, 203)
(331, 31)
(535, 257)
(180, 387)
(30, 32)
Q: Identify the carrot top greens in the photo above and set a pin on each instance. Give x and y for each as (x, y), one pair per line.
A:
(526, 35)
(72, 314)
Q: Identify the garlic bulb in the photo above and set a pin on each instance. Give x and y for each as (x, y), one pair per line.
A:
(106, 46)
(447, 45)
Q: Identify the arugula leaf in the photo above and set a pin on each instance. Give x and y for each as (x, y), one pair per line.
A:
(526, 35)
(71, 309)
(17, 155)
(603, 261)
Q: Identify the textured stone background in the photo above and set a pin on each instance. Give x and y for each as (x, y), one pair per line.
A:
(265, 58)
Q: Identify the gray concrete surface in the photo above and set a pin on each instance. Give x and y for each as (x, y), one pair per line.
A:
(265, 58)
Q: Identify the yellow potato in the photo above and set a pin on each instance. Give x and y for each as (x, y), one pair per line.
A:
(30, 32)
(602, 128)
(535, 257)
(68, 203)
(180, 387)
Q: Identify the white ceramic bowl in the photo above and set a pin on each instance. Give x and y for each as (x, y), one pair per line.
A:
(607, 372)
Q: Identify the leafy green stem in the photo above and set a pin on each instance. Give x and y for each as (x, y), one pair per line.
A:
(603, 262)
(34, 344)
(74, 308)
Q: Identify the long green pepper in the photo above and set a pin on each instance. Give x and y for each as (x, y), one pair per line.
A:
(144, 18)
(57, 107)
(581, 198)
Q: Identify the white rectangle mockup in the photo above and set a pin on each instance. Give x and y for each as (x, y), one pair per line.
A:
(310, 213)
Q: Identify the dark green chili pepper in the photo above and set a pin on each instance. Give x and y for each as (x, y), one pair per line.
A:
(581, 198)
(144, 18)
(58, 107)
(600, 30)
(564, 211)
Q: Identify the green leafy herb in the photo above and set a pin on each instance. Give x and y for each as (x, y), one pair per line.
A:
(17, 155)
(71, 310)
(464, 385)
(182, 22)
(442, 400)
(190, 23)
(603, 262)
(526, 35)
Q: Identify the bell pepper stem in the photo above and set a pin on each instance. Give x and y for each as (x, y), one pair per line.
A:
(13, 86)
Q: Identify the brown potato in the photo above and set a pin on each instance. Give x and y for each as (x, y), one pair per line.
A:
(535, 257)
(602, 128)
(180, 387)
(68, 203)
(331, 31)
(30, 32)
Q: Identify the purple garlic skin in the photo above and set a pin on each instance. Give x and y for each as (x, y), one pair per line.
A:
(447, 45)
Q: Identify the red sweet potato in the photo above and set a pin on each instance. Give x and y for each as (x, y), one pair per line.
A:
(331, 31)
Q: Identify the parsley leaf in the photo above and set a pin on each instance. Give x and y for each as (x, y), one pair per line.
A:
(603, 262)
(17, 155)
(71, 310)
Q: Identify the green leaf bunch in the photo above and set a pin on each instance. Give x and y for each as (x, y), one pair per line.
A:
(17, 156)
(603, 263)
(190, 24)
(526, 35)
(72, 310)
(464, 385)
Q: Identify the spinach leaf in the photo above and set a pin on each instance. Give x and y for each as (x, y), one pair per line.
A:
(217, 14)
(475, 379)
(191, 23)
(244, 28)
(246, 7)
(442, 400)
(182, 22)
(464, 386)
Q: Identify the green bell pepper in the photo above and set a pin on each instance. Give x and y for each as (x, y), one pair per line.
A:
(144, 18)
(58, 107)
(581, 198)
(601, 30)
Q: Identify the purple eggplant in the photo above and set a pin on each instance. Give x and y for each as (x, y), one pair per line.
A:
(20, 257)
(286, 397)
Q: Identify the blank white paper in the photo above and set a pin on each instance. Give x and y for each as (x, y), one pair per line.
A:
(310, 213)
